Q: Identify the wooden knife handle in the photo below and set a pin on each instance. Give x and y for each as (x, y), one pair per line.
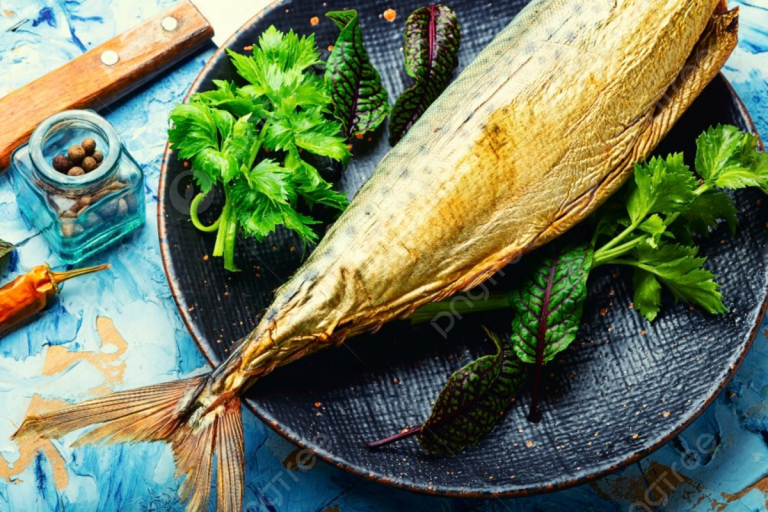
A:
(89, 81)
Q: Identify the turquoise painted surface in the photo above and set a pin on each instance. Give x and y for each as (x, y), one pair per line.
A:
(719, 463)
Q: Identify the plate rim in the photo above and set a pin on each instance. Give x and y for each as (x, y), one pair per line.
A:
(197, 336)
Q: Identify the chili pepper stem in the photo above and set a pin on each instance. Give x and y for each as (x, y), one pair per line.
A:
(60, 277)
(397, 437)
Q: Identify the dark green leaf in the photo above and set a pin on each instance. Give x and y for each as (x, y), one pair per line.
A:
(432, 40)
(647, 297)
(473, 401)
(360, 101)
(550, 302)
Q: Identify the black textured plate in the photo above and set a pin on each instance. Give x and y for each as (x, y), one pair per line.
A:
(622, 390)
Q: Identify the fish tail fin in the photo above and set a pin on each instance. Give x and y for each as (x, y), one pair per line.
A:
(176, 413)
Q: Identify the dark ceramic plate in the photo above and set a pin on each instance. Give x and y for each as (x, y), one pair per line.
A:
(623, 389)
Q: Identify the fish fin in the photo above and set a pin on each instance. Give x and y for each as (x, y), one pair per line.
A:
(172, 413)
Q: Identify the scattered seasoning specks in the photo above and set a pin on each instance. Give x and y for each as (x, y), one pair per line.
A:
(390, 15)
(314, 20)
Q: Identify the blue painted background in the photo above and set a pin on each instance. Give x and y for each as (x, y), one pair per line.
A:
(719, 463)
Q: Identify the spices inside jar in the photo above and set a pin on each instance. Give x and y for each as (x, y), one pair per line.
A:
(78, 185)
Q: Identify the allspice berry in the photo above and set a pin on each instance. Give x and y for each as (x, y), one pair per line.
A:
(76, 153)
(76, 171)
(88, 164)
(89, 145)
(98, 156)
(61, 163)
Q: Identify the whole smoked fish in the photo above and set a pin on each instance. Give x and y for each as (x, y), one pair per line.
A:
(531, 138)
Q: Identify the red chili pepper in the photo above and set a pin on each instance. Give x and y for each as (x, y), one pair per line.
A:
(30, 293)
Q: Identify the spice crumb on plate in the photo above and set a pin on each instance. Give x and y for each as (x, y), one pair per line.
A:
(390, 14)
(314, 20)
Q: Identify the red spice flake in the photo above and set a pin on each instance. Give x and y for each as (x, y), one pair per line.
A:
(293, 249)
(318, 404)
(330, 47)
(359, 136)
(643, 332)
(529, 444)
(205, 258)
(603, 311)
(390, 14)
(186, 164)
(248, 48)
(314, 20)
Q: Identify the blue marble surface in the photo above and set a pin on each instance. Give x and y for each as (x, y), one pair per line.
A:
(121, 330)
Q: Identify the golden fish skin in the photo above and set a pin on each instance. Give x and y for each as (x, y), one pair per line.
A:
(531, 138)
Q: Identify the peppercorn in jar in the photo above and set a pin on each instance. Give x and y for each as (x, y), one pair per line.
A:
(77, 184)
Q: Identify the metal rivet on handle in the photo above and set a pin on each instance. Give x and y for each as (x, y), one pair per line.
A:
(110, 58)
(169, 23)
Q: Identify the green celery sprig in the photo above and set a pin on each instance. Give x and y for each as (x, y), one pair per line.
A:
(227, 133)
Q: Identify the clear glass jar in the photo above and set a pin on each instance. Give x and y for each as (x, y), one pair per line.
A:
(78, 215)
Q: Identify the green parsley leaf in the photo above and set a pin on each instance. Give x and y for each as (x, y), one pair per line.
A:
(212, 166)
(243, 142)
(660, 186)
(193, 129)
(727, 157)
(708, 210)
(679, 269)
(655, 227)
(227, 96)
(312, 187)
(647, 296)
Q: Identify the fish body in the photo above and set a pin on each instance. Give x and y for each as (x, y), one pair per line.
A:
(531, 138)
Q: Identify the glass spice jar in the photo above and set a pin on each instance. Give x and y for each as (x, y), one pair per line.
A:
(78, 215)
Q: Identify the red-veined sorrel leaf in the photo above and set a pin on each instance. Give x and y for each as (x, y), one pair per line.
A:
(549, 306)
(359, 99)
(432, 39)
(471, 403)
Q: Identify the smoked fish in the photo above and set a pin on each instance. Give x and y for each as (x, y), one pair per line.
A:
(531, 138)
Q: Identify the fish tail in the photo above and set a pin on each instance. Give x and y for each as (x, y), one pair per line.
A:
(183, 413)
